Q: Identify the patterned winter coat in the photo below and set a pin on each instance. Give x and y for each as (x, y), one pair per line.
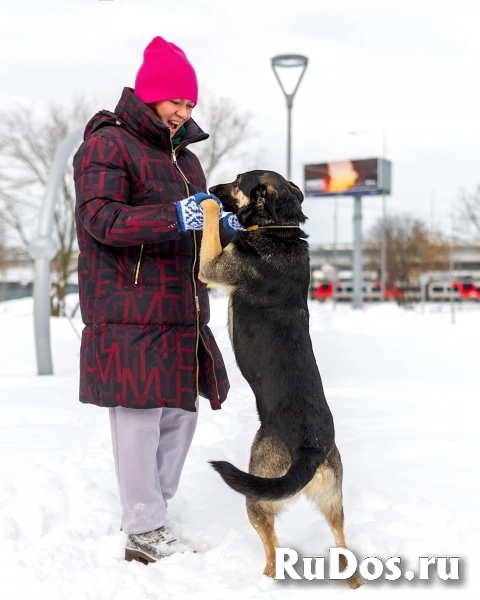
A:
(146, 342)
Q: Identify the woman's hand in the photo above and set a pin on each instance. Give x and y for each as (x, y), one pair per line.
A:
(189, 212)
(231, 224)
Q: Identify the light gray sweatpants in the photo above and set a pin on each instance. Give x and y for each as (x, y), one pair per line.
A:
(149, 447)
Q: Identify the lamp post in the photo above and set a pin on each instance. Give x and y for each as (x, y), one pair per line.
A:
(451, 256)
(43, 249)
(383, 243)
(289, 61)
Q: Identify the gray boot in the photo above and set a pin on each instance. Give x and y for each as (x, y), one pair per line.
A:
(153, 545)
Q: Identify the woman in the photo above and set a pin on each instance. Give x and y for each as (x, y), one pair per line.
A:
(147, 352)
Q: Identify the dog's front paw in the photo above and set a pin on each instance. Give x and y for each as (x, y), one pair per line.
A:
(210, 205)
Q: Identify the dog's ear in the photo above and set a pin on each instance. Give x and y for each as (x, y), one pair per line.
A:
(265, 196)
(296, 191)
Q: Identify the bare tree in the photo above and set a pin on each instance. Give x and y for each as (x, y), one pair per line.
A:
(412, 249)
(230, 131)
(28, 143)
(469, 212)
(3, 250)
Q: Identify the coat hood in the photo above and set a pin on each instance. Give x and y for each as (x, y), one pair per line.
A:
(141, 121)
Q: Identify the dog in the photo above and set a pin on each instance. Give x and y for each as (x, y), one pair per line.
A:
(266, 270)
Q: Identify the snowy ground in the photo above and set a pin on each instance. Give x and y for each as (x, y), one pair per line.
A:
(404, 390)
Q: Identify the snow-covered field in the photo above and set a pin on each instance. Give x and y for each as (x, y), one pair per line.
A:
(404, 390)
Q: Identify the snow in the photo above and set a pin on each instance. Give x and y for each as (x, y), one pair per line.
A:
(403, 389)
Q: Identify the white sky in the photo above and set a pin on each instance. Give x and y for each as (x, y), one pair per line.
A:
(408, 67)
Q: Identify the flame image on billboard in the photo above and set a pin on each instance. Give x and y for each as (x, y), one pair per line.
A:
(348, 178)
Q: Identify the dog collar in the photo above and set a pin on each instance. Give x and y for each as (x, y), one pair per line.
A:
(255, 227)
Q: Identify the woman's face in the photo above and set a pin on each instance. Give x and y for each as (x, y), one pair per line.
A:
(173, 113)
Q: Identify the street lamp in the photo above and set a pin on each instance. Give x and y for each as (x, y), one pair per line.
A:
(383, 243)
(289, 61)
(43, 249)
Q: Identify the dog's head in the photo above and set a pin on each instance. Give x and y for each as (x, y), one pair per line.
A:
(262, 198)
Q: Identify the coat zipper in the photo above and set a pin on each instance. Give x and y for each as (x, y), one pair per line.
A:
(195, 293)
(136, 273)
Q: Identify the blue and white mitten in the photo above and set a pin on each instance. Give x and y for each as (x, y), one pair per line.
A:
(189, 212)
(231, 224)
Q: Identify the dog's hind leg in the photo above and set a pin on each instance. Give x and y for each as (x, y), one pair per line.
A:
(262, 517)
(325, 490)
(268, 459)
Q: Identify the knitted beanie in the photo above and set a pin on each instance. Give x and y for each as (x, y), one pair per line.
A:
(165, 74)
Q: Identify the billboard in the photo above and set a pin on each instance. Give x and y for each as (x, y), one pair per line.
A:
(368, 176)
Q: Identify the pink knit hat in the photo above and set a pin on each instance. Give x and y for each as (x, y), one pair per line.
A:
(165, 74)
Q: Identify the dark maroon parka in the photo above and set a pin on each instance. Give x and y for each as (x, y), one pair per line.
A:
(146, 341)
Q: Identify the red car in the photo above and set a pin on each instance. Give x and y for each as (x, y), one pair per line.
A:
(322, 291)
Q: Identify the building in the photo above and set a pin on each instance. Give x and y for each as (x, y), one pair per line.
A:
(325, 259)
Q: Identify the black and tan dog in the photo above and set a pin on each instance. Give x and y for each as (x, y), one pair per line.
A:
(266, 269)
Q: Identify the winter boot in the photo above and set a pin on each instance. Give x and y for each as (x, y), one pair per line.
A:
(153, 545)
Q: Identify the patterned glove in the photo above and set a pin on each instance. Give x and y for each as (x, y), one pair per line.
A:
(231, 224)
(189, 213)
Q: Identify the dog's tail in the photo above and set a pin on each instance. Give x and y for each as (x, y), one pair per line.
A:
(305, 462)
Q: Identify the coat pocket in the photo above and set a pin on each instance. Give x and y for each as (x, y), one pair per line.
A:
(138, 266)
